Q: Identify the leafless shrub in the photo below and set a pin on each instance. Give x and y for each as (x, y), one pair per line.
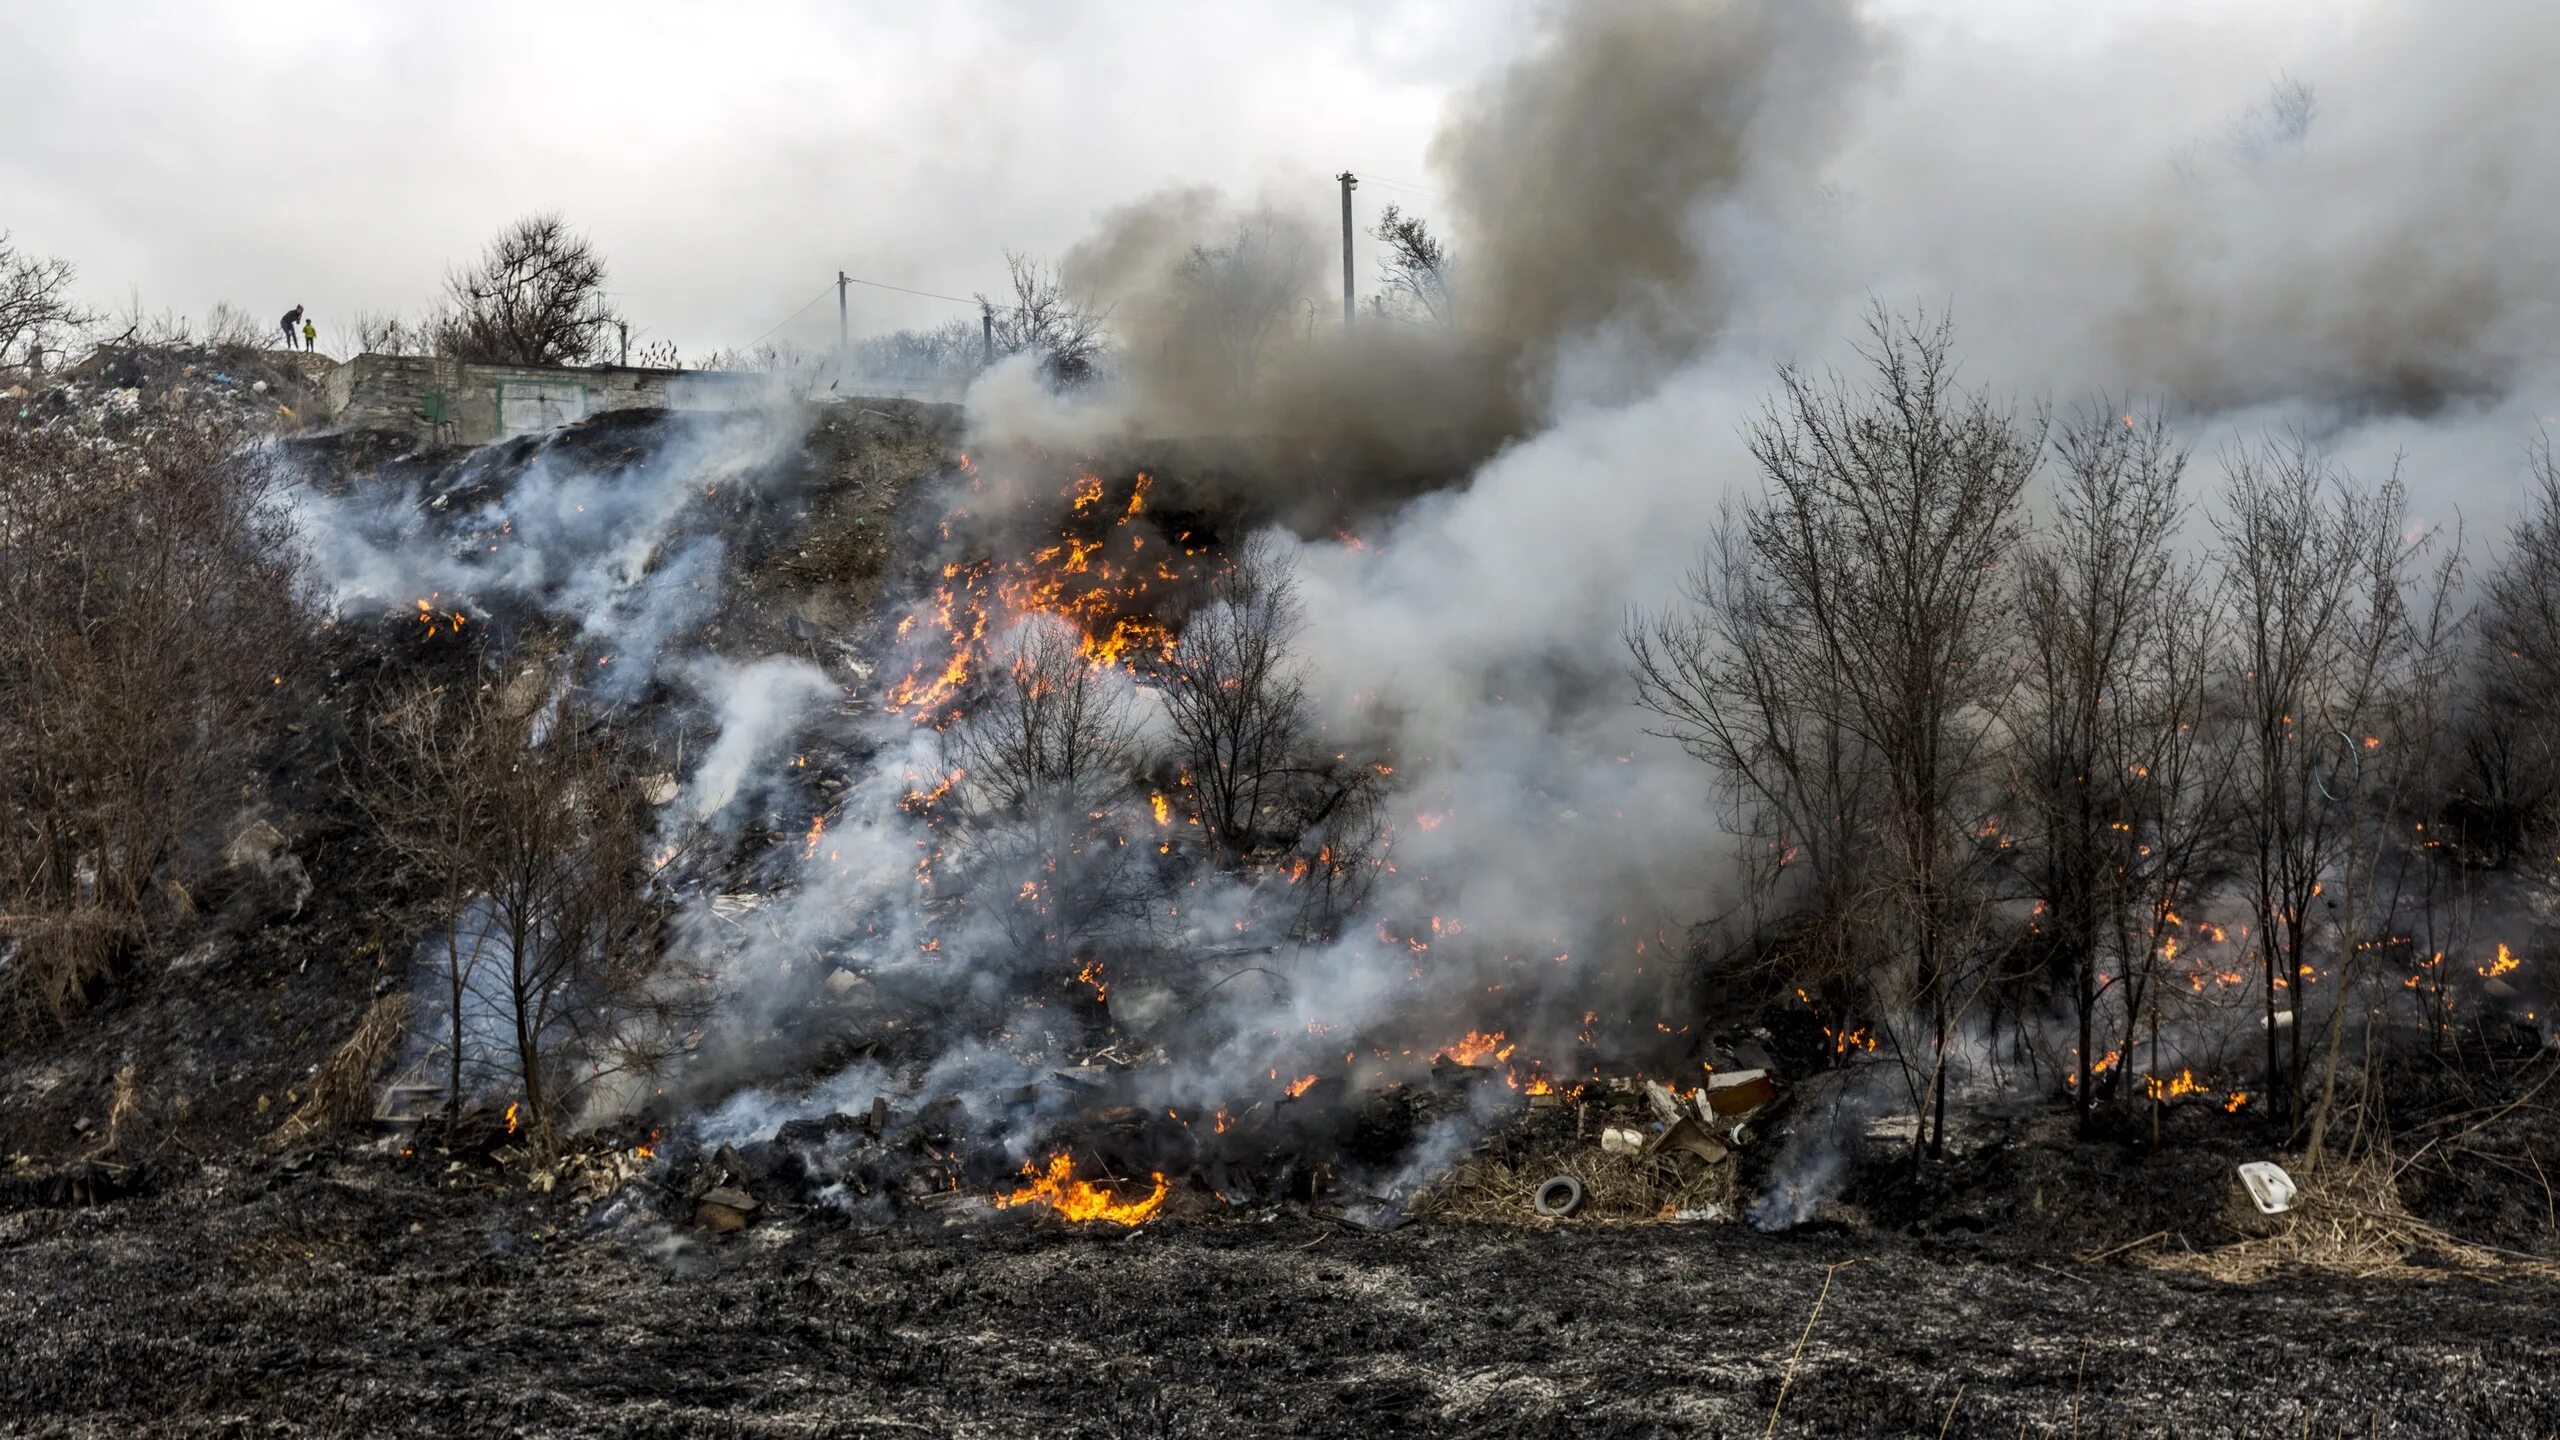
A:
(228, 326)
(134, 701)
(1047, 761)
(38, 317)
(535, 297)
(1237, 706)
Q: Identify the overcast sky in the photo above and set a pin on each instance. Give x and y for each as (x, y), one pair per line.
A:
(729, 159)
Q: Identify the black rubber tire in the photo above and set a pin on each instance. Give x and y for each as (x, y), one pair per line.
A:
(1559, 1197)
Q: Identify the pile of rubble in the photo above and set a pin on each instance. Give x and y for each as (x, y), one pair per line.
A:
(1622, 1150)
(269, 390)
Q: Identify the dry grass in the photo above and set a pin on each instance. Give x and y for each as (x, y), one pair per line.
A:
(63, 958)
(343, 1092)
(2347, 1219)
(1617, 1189)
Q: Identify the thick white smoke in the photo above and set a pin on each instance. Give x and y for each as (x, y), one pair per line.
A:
(1655, 205)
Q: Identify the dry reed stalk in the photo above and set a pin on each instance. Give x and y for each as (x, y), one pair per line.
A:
(2347, 1219)
(343, 1091)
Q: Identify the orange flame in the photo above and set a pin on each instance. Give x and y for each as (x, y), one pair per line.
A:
(511, 1118)
(2182, 1083)
(1477, 1048)
(1301, 1086)
(1081, 1201)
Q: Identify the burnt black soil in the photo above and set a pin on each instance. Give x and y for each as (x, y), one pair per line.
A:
(348, 1298)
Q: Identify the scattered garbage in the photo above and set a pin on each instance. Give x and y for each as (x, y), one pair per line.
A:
(1740, 1093)
(1560, 1197)
(724, 1210)
(2269, 1186)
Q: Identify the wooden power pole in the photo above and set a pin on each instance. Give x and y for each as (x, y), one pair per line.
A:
(844, 322)
(1350, 182)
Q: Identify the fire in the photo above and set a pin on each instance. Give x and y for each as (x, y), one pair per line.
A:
(817, 832)
(1101, 575)
(1301, 1086)
(511, 1117)
(1163, 808)
(1844, 1041)
(2182, 1083)
(2505, 962)
(1477, 1048)
(439, 621)
(2237, 1099)
(1081, 1200)
(917, 801)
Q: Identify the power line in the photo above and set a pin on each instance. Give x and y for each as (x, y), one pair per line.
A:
(1408, 185)
(787, 319)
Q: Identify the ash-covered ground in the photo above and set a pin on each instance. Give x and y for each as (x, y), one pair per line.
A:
(346, 1296)
(176, 1259)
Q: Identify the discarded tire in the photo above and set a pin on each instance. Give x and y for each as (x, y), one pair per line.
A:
(1559, 1197)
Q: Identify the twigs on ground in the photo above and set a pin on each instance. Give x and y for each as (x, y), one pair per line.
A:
(1790, 1378)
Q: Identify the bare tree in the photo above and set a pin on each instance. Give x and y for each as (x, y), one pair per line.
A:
(2109, 696)
(2506, 800)
(936, 361)
(1414, 265)
(422, 786)
(37, 314)
(535, 297)
(2314, 570)
(1045, 319)
(132, 712)
(1877, 595)
(1232, 298)
(556, 960)
(2281, 121)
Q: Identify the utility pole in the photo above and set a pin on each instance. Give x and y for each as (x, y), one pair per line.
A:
(1350, 182)
(844, 325)
(624, 326)
(987, 333)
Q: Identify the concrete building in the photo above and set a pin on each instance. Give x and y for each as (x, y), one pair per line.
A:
(468, 404)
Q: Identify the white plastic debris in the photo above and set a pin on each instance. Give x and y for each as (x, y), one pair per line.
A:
(2269, 1186)
(1617, 1140)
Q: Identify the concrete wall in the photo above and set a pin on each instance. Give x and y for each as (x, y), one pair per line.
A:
(474, 404)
